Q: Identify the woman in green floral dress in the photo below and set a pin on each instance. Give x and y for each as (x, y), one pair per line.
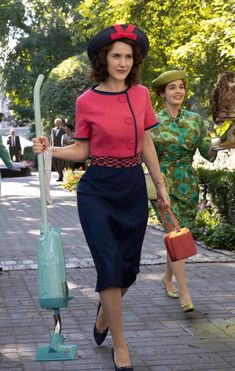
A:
(177, 137)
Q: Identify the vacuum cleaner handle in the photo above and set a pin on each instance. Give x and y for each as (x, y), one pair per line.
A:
(39, 131)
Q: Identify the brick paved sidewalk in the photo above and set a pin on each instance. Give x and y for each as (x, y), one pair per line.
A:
(160, 336)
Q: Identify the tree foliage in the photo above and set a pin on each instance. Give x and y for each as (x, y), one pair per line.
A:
(12, 16)
(197, 35)
(65, 82)
(43, 41)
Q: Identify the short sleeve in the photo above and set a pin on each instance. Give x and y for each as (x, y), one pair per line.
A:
(82, 129)
(150, 119)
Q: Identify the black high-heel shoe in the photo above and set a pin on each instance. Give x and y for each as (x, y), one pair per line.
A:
(99, 336)
(125, 368)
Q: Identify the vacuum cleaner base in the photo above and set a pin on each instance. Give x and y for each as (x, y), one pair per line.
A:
(57, 350)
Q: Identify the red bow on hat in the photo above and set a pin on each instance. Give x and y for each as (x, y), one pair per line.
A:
(121, 34)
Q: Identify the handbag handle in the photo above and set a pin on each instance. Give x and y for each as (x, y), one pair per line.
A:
(177, 227)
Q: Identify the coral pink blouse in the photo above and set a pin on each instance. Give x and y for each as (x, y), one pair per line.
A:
(114, 123)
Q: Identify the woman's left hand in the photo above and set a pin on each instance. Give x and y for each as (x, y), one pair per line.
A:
(163, 196)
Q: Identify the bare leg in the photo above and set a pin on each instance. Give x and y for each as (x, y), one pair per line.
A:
(168, 278)
(178, 269)
(101, 323)
(111, 304)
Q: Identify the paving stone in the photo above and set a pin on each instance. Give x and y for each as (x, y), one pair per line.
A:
(160, 336)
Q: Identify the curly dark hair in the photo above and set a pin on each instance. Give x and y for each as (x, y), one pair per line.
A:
(99, 72)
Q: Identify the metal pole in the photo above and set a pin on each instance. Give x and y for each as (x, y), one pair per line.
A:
(39, 132)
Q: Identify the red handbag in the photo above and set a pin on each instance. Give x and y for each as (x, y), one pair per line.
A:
(179, 242)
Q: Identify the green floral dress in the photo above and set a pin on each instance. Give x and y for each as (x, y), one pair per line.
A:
(176, 141)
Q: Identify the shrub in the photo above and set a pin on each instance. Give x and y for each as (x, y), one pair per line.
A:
(71, 179)
(213, 231)
(218, 187)
(28, 154)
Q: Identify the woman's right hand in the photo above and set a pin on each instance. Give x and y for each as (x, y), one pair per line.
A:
(40, 144)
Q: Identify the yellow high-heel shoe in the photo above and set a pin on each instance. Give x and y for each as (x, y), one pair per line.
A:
(171, 294)
(187, 308)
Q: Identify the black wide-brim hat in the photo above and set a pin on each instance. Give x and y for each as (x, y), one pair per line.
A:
(118, 32)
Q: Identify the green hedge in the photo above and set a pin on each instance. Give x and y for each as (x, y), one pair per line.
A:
(220, 186)
(215, 222)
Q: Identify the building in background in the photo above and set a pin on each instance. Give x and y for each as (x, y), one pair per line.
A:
(4, 110)
(7, 121)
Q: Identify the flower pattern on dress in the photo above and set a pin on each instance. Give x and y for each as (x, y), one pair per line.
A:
(176, 141)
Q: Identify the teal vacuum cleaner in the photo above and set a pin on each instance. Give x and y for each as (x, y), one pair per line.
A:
(53, 288)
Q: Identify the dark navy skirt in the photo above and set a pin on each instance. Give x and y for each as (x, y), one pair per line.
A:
(113, 210)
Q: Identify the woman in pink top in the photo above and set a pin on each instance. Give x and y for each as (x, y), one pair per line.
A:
(113, 122)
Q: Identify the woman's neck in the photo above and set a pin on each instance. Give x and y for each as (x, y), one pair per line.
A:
(172, 110)
(112, 86)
